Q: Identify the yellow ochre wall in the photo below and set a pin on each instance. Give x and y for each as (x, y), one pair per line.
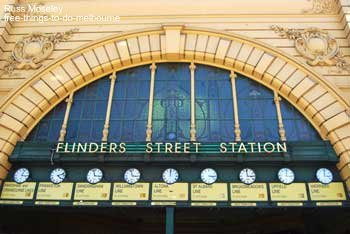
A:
(231, 34)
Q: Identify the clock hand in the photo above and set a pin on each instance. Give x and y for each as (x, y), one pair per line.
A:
(133, 175)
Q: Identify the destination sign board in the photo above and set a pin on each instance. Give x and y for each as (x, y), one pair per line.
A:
(50, 191)
(162, 194)
(86, 191)
(12, 190)
(212, 192)
(253, 192)
(173, 192)
(291, 192)
(327, 192)
(131, 192)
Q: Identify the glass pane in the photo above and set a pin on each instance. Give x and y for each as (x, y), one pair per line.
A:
(130, 105)
(48, 129)
(296, 125)
(214, 108)
(171, 109)
(257, 111)
(88, 112)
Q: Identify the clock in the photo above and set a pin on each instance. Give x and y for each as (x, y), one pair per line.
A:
(324, 175)
(21, 175)
(286, 175)
(209, 176)
(170, 176)
(247, 176)
(57, 175)
(94, 176)
(132, 175)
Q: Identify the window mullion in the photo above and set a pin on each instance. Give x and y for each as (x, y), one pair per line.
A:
(281, 129)
(63, 131)
(105, 131)
(237, 129)
(193, 104)
(153, 68)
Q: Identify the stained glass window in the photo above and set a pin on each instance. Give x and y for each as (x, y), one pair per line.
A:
(49, 127)
(130, 105)
(296, 126)
(214, 109)
(257, 111)
(171, 110)
(88, 112)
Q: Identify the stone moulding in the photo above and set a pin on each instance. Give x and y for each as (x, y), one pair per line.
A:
(32, 49)
(315, 45)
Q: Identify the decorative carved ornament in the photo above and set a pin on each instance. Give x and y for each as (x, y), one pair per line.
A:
(316, 45)
(34, 48)
(323, 7)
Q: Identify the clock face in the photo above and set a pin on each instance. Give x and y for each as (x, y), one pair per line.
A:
(132, 175)
(57, 175)
(94, 176)
(21, 175)
(324, 175)
(247, 176)
(286, 175)
(170, 176)
(209, 176)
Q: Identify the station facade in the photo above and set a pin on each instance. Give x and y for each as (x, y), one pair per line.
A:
(168, 121)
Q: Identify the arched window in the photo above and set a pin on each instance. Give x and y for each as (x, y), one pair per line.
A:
(171, 117)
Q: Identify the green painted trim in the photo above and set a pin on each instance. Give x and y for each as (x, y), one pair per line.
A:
(297, 151)
(169, 220)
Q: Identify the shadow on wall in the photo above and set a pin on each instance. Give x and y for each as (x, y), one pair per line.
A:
(195, 221)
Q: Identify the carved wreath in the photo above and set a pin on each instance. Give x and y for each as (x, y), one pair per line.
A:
(323, 7)
(316, 45)
(31, 50)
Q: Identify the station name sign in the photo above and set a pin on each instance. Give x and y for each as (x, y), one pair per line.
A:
(172, 147)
